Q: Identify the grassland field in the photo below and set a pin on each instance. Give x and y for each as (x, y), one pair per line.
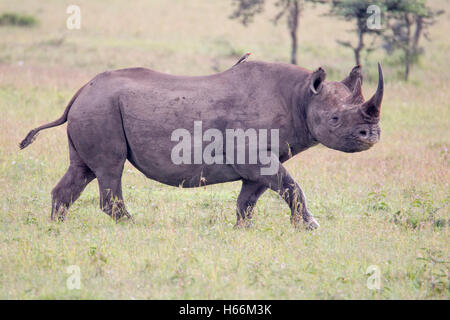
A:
(386, 207)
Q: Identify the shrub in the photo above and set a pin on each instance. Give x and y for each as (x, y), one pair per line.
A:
(15, 19)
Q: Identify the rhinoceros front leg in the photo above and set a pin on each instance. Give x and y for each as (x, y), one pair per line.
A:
(282, 183)
(250, 192)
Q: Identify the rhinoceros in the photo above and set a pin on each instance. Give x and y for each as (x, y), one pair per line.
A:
(131, 114)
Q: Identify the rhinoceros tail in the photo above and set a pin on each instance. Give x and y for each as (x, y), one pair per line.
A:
(31, 136)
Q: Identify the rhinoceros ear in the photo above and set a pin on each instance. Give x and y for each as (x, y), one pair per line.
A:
(352, 78)
(317, 78)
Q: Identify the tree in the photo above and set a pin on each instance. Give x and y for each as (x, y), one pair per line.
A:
(357, 11)
(245, 10)
(407, 21)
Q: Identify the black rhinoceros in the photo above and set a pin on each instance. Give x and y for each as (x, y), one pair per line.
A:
(132, 114)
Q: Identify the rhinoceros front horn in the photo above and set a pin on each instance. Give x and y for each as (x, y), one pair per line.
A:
(371, 108)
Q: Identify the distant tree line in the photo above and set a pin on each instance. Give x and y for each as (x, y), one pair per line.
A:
(400, 24)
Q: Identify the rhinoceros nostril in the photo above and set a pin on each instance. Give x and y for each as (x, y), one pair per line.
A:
(363, 133)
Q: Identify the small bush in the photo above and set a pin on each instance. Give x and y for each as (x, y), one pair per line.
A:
(377, 201)
(15, 19)
(422, 210)
(434, 272)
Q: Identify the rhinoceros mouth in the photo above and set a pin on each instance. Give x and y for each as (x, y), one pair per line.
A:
(358, 149)
(356, 145)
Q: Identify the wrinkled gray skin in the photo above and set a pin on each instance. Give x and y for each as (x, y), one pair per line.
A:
(131, 113)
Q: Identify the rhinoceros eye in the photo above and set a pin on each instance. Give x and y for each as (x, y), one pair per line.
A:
(334, 120)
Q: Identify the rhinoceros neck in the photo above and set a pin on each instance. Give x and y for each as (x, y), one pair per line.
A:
(293, 85)
(302, 139)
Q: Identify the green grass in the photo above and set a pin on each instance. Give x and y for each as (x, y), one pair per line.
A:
(386, 207)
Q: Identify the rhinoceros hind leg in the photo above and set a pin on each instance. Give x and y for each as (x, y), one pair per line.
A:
(111, 199)
(100, 141)
(69, 189)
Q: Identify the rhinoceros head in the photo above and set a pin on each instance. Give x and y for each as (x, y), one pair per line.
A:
(337, 115)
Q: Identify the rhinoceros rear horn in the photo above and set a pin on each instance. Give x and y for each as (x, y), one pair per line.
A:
(356, 97)
(353, 77)
(372, 107)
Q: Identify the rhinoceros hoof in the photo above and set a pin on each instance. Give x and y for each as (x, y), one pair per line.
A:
(299, 223)
(311, 224)
(243, 224)
(125, 218)
(60, 215)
